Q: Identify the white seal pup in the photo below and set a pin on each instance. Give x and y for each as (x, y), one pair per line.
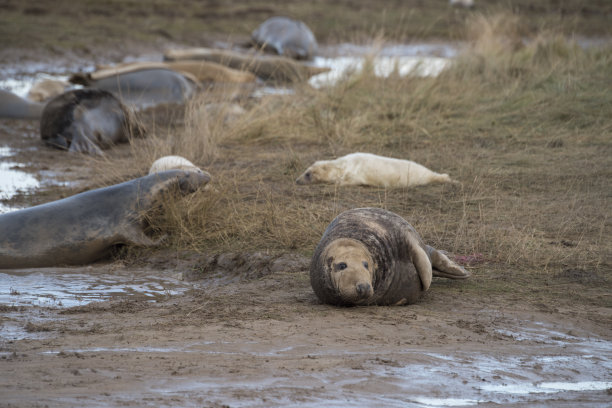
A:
(372, 170)
(371, 256)
(173, 163)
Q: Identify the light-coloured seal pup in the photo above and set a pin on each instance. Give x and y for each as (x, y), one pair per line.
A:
(266, 67)
(287, 37)
(142, 86)
(47, 89)
(372, 170)
(173, 163)
(371, 256)
(201, 71)
(84, 228)
(15, 107)
(87, 121)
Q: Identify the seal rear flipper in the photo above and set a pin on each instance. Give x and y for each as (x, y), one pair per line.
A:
(444, 267)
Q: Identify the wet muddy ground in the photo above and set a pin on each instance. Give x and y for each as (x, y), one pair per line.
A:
(176, 334)
(179, 329)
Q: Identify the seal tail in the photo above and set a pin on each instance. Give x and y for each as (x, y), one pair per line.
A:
(443, 267)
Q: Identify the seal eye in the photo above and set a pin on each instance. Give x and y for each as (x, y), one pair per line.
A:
(341, 266)
(307, 175)
(365, 264)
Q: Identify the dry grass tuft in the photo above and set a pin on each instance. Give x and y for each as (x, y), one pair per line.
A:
(524, 129)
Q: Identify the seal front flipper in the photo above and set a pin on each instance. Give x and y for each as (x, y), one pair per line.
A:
(84, 144)
(444, 267)
(419, 258)
(134, 235)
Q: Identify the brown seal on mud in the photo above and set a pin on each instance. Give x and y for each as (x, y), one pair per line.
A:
(287, 37)
(15, 107)
(266, 67)
(371, 256)
(87, 121)
(201, 71)
(84, 228)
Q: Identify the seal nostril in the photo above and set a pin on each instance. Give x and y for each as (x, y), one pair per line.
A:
(362, 289)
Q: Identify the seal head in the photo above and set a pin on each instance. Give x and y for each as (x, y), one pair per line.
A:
(348, 265)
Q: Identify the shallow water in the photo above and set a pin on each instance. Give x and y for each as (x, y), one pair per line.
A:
(13, 180)
(383, 66)
(21, 84)
(69, 287)
(400, 59)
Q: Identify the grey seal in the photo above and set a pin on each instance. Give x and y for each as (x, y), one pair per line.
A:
(15, 107)
(143, 86)
(83, 228)
(287, 37)
(87, 121)
(371, 256)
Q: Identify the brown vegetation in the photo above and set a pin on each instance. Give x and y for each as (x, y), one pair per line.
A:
(524, 129)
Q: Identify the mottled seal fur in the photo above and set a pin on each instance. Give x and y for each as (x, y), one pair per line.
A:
(372, 170)
(173, 163)
(371, 256)
(266, 67)
(15, 107)
(149, 85)
(84, 228)
(87, 121)
(287, 37)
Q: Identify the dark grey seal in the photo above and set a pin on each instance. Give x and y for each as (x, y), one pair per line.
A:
(87, 121)
(287, 37)
(146, 86)
(371, 256)
(15, 107)
(84, 228)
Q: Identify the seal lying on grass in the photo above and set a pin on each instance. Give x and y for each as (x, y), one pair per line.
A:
(266, 67)
(87, 121)
(370, 256)
(287, 37)
(372, 170)
(83, 228)
(173, 163)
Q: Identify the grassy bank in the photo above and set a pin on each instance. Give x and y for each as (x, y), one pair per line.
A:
(89, 26)
(524, 129)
